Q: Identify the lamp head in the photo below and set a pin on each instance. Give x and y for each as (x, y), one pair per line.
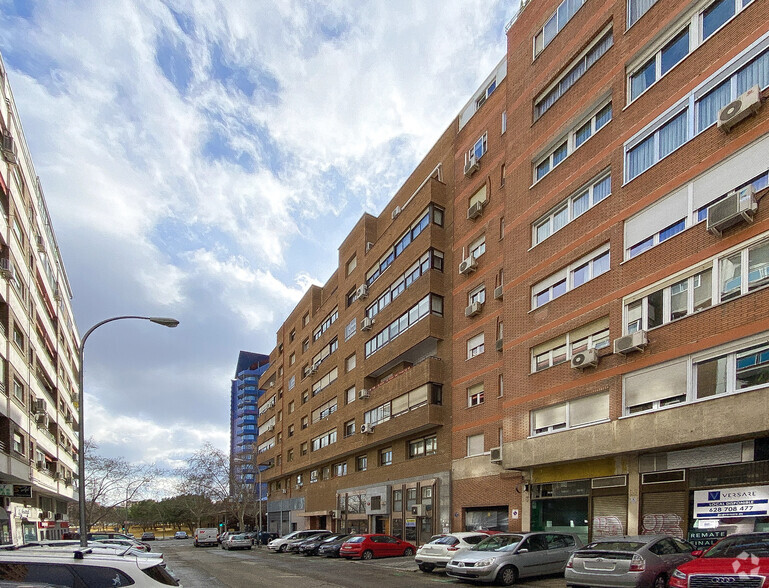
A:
(166, 322)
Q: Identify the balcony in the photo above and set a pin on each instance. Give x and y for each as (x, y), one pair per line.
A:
(430, 369)
(687, 425)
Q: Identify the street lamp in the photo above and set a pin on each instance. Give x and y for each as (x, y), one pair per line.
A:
(259, 467)
(166, 322)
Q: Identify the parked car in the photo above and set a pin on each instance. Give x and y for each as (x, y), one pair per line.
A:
(741, 559)
(310, 546)
(148, 536)
(70, 565)
(264, 537)
(126, 543)
(372, 545)
(181, 535)
(206, 536)
(293, 546)
(222, 536)
(643, 561)
(100, 536)
(441, 548)
(506, 557)
(237, 541)
(330, 548)
(281, 543)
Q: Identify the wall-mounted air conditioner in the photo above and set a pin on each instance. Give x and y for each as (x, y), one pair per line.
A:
(418, 510)
(496, 454)
(396, 212)
(630, 343)
(739, 109)
(475, 210)
(367, 428)
(362, 291)
(363, 393)
(584, 359)
(473, 308)
(499, 344)
(738, 206)
(468, 265)
(498, 293)
(269, 429)
(369, 245)
(40, 406)
(6, 268)
(42, 421)
(366, 324)
(9, 148)
(471, 165)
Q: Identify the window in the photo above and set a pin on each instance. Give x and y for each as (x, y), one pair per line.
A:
(351, 296)
(504, 128)
(594, 335)
(397, 501)
(291, 382)
(361, 463)
(305, 345)
(306, 319)
(349, 428)
(477, 247)
(290, 407)
(430, 259)
(350, 394)
(478, 149)
(430, 304)
(475, 445)
(340, 469)
(18, 390)
(325, 381)
(386, 457)
(299, 479)
(18, 443)
(18, 231)
(352, 264)
(327, 350)
(475, 394)
(573, 140)
(349, 363)
(659, 64)
(581, 271)
(325, 472)
(563, 14)
(292, 359)
(18, 337)
(313, 476)
(502, 227)
(350, 328)
(291, 430)
(422, 447)
(305, 422)
(572, 414)
(324, 440)
(305, 396)
(501, 385)
(477, 294)
(324, 326)
(292, 335)
(303, 448)
(601, 45)
(475, 346)
(290, 455)
(655, 388)
(578, 203)
(324, 410)
(636, 9)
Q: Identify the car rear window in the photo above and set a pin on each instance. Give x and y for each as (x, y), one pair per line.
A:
(56, 574)
(160, 574)
(358, 539)
(629, 546)
(475, 539)
(447, 540)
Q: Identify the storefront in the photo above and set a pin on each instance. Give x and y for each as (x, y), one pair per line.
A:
(285, 516)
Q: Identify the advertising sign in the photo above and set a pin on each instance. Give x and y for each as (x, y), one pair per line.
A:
(18, 490)
(704, 538)
(749, 501)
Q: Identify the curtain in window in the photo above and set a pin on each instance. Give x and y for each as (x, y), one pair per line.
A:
(580, 204)
(637, 8)
(667, 381)
(641, 157)
(709, 105)
(601, 190)
(673, 134)
(754, 73)
(589, 409)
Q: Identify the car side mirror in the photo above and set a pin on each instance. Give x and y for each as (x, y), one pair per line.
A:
(697, 552)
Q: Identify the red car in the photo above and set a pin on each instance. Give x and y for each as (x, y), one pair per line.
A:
(741, 559)
(375, 545)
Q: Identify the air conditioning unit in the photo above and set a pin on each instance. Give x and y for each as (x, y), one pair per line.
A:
(56, 475)
(272, 384)
(299, 485)
(314, 367)
(362, 291)
(367, 428)
(496, 454)
(369, 245)
(363, 393)
(584, 359)
(40, 406)
(284, 490)
(475, 210)
(499, 344)
(6, 268)
(68, 480)
(471, 165)
(396, 212)
(336, 514)
(741, 108)
(498, 293)
(42, 421)
(468, 265)
(40, 243)
(9, 148)
(366, 324)
(473, 308)
(418, 510)
(739, 205)
(307, 370)
(629, 343)
(270, 429)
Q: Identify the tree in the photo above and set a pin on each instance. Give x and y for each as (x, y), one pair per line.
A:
(204, 483)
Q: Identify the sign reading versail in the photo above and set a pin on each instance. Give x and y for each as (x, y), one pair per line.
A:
(750, 501)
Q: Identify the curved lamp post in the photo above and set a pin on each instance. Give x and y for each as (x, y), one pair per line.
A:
(166, 322)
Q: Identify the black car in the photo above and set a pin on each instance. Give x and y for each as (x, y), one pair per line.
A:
(264, 537)
(331, 548)
(293, 546)
(311, 546)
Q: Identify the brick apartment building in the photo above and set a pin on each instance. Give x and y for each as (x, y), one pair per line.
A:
(600, 357)
(38, 351)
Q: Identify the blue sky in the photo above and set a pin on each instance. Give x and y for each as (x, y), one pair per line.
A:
(204, 160)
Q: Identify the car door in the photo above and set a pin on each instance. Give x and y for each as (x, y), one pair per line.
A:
(531, 557)
(559, 548)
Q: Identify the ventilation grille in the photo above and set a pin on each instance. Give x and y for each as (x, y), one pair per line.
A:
(663, 477)
(609, 482)
(754, 472)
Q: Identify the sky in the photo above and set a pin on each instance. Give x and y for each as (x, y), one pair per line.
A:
(204, 160)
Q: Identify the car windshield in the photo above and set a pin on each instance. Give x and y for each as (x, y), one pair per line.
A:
(743, 546)
(237, 536)
(615, 546)
(499, 543)
(357, 539)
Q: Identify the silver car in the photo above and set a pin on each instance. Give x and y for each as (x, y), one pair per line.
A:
(506, 557)
(438, 552)
(643, 561)
(236, 541)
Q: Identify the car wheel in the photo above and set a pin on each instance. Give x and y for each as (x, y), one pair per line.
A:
(282, 549)
(507, 576)
(426, 567)
(408, 552)
(368, 554)
(660, 581)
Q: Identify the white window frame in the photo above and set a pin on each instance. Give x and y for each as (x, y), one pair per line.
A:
(473, 440)
(475, 395)
(481, 145)
(478, 247)
(350, 328)
(559, 24)
(565, 423)
(485, 94)
(477, 294)
(565, 276)
(640, 64)
(475, 345)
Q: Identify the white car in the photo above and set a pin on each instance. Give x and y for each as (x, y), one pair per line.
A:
(236, 541)
(72, 565)
(281, 543)
(438, 552)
